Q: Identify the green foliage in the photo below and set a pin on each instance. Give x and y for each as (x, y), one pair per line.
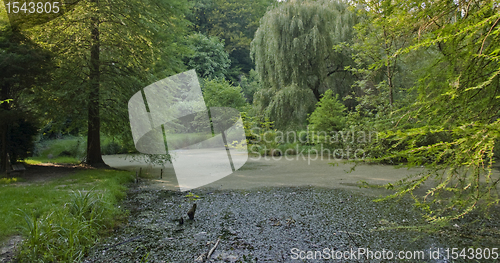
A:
(220, 93)
(113, 148)
(9, 180)
(250, 85)
(453, 124)
(233, 21)
(23, 65)
(131, 45)
(40, 201)
(329, 114)
(192, 197)
(208, 58)
(21, 129)
(75, 146)
(294, 54)
(379, 34)
(461, 164)
(287, 107)
(66, 234)
(117, 145)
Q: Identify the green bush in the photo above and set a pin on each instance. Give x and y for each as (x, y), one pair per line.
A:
(21, 130)
(250, 85)
(113, 148)
(68, 146)
(329, 114)
(220, 93)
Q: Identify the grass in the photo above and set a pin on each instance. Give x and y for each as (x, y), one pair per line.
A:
(60, 219)
(62, 159)
(74, 145)
(71, 149)
(52, 229)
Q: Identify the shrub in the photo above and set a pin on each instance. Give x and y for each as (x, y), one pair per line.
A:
(113, 148)
(329, 114)
(20, 134)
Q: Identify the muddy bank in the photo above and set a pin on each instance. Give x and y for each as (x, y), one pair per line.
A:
(262, 225)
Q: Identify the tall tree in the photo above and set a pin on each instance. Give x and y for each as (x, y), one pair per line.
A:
(233, 21)
(207, 56)
(23, 65)
(107, 50)
(299, 53)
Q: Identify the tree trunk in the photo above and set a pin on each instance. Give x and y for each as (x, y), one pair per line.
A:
(389, 72)
(389, 82)
(316, 93)
(94, 156)
(4, 127)
(3, 154)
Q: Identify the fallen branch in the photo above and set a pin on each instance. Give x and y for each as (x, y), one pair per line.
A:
(350, 237)
(213, 249)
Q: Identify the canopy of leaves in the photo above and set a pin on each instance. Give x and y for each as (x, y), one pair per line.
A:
(233, 21)
(208, 56)
(453, 127)
(140, 42)
(23, 65)
(294, 47)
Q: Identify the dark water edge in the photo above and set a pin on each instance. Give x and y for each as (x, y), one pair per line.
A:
(274, 224)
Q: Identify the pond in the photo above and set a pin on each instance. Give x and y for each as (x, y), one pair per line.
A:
(276, 171)
(282, 211)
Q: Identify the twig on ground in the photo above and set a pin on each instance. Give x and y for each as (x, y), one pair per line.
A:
(201, 258)
(123, 242)
(213, 249)
(350, 237)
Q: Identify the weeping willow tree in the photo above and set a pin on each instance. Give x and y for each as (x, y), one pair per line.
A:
(299, 52)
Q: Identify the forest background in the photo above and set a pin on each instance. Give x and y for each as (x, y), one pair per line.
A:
(423, 75)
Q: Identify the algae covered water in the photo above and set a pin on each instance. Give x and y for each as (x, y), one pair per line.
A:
(272, 211)
(288, 224)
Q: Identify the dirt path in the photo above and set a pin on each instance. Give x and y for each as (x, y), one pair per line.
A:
(45, 172)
